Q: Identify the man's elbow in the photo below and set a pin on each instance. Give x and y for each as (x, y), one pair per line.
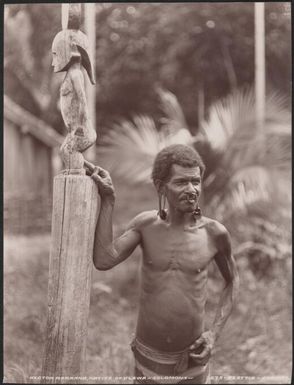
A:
(102, 266)
(102, 263)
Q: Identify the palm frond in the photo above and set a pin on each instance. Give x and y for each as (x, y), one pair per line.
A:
(276, 110)
(235, 115)
(249, 164)
(226, 117)
(174, 119)
(246, 187)
(246, 166)
(130, 148)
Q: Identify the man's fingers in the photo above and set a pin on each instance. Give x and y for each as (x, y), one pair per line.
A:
(96, 178)
(203, 354)
(103, 172)
(89, 165)
(96, 170)
(100, 172)
(200, 361)
(201, 358)
(197, 343)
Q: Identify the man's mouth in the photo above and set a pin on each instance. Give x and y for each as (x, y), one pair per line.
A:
(191, 198)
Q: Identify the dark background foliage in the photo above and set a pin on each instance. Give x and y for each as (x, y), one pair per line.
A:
(185, 48)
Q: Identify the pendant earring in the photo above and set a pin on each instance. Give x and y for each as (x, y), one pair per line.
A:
(197, 212)
(162, 211)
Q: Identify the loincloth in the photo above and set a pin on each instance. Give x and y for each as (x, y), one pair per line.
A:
(156, 367)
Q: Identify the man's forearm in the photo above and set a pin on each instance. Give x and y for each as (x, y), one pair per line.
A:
(104, 254)
(208, 338)
(225, 306)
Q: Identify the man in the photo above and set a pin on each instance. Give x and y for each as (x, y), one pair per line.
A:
(178, 244)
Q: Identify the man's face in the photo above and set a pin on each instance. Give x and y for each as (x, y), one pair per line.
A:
(184, 187)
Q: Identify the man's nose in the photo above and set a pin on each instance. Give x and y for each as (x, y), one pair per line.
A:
(191, 187)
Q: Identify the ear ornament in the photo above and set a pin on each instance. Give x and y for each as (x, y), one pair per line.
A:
(162, 212)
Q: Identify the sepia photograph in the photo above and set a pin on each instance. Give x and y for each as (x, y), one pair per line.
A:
(147, 199)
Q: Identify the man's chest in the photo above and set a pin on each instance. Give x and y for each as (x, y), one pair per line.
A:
(171, 249)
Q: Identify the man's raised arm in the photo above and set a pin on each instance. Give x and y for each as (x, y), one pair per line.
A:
(108, 252)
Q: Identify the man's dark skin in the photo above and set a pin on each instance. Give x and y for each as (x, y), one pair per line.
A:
(176, 255)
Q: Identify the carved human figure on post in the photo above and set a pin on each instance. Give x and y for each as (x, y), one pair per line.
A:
(70, 54)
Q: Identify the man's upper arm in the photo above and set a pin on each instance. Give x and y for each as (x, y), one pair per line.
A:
(131, 238)
(224, 258)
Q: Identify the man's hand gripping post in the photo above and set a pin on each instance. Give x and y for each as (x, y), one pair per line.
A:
(102, 179)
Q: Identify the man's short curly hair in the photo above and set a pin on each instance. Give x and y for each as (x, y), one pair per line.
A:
(175, 154)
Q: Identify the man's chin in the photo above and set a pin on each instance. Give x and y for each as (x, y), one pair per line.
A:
(190, 208)
(187, 207)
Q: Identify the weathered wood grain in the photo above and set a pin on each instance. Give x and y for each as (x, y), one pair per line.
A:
(75, 211)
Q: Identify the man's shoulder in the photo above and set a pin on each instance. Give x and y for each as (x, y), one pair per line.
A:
(214, 227)
(219, 234)
(143, 219)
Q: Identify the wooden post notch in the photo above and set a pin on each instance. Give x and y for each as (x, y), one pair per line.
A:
(75, 212)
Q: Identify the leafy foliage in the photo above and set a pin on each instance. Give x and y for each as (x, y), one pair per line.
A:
(249, 175)
(183, 48)
(129, 149)
(188, 48)
(247, 161)
(244, 161)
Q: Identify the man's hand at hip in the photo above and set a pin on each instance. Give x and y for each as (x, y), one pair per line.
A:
(206, 342)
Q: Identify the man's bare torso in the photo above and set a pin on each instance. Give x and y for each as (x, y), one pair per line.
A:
(173, 282)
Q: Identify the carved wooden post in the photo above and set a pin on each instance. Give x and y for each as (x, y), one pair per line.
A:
(75, 211)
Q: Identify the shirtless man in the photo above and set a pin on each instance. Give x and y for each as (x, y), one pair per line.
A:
(178, 244)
